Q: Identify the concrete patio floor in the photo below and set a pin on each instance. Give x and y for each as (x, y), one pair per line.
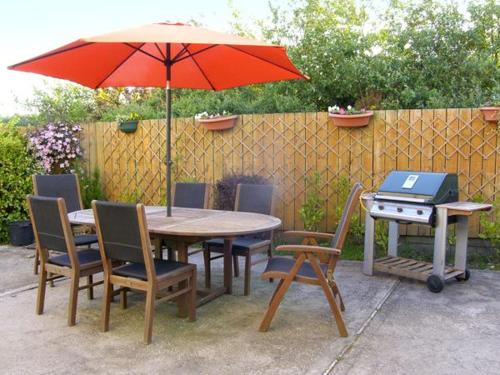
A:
(396, 327)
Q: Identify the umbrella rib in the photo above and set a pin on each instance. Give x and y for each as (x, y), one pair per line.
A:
(267, 61)
(199, 67)
(144, 52)
(181, 52)
(117, 67)
(159, 50)
(196, 53)
(50, 54)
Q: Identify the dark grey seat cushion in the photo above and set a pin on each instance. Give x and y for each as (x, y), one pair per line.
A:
(240, 244)
(285, 264)
(162, 267)
(84, 257)
(85, 239)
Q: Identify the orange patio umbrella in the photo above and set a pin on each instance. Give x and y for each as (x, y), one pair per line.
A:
(170, 55)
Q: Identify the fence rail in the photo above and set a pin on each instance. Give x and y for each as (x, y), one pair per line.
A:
(287, 147)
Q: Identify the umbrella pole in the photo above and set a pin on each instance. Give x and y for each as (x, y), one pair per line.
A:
(168, 98)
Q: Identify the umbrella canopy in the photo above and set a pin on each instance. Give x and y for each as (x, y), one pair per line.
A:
(170, 55)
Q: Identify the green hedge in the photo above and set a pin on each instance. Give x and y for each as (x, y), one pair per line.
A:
(16, 167)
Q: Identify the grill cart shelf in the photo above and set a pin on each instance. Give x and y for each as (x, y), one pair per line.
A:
(436, 273)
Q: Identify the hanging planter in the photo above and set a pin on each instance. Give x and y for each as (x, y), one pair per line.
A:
(350, 117)
(217, 121)
(128, 126)
(490, 114)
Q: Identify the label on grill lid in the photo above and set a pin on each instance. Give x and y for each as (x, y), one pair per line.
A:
(410, 181)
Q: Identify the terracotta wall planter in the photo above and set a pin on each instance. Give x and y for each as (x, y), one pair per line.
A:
(490, 113)
(351, 121)
(219, 123)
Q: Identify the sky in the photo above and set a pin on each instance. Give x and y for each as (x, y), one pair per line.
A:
(32, 27)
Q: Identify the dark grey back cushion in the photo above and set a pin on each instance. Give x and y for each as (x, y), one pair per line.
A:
(60, 186)
(47, 221)
(119, 226)
(346, 215)
(256, 198)
(189, 195)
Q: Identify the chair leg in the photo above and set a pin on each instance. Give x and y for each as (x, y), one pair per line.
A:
(42, 286)
(248, 268)
(171, 254)
(236, 265)
(73, 299)
(37, 261)
(269, 256)
(106, 304)
(149, 316)
(123, 298)
(192, 298)
(277, 288)
(280, 293)
(90, 290)
(336, 292)
(206, 261)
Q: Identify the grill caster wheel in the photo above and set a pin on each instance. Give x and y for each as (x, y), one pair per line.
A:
(435, 284)
(464, 277)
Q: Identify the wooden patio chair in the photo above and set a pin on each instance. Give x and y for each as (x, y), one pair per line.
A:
(52, 231)
(123, 236)
(186, 195)
(64, 186)
(313, 264)
(249, 198)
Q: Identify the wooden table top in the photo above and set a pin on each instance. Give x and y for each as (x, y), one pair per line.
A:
(195, 222)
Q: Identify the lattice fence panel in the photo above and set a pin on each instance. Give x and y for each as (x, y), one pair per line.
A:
(285, 148)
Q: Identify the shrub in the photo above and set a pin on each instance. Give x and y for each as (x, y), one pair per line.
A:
(17, 165)
(91, 187)
(490, 225)
(312, 211)
(56, 146)
(225, 189)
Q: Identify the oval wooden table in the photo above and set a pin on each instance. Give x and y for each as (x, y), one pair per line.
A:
(188, 226)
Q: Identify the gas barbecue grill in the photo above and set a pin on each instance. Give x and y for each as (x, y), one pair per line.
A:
(423, 198)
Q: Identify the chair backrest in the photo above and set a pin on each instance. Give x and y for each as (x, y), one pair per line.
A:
(254, 198)
(120, 229)
(345, 220)
(191, 195)
(50, 224)
(64, 186)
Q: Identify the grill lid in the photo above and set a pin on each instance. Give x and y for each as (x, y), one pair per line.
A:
(419, 187)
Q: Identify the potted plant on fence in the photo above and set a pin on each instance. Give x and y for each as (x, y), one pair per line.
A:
(349, 117)
(216, 121)
(491, 111)
(128, 123)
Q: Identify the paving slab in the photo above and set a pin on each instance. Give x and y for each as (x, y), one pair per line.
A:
(303, 338)
(418, 332)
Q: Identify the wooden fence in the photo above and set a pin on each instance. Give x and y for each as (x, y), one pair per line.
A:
(287, 147)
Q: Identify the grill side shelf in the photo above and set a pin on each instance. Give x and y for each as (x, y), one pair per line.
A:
(411, 268)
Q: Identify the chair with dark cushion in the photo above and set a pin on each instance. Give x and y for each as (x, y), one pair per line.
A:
(123, 236)
(64, 186)
(52, 231)
(313, 264)
(249, 198)
(186, 195)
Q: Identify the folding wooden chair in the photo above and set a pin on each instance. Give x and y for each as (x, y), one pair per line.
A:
(313, 265)
(123, 236)
(53, 231)
(249, 198)
(64, 186)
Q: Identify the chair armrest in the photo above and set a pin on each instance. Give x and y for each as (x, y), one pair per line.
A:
(310, 249)
(306, 234)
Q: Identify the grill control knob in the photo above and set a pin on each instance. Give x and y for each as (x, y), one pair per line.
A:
(400, 209)
(420, 212)
(380, 207)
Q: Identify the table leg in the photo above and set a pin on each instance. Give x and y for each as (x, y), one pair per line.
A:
(369, 244)
(182, 252)
(157, 246)
(440, 242)
(393, 238)
(228, 266)
(462, 231)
